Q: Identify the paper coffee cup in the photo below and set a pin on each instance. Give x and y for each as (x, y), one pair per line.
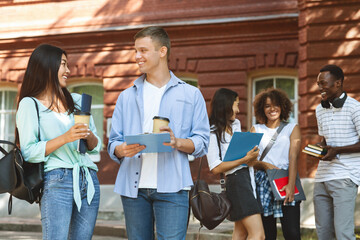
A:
(82, 117)
(159, 122)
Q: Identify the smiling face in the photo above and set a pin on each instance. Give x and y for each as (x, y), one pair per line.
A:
(148, 54)
(235, 108)
(272, 112)
(64, 71)
(328, 86)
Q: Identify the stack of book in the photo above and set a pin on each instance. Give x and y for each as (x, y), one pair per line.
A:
(314, 151)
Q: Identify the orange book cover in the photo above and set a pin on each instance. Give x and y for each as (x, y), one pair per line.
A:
(312, 154)
(315, 151)
(280, 183)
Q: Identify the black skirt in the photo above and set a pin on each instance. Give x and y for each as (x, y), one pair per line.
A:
(241, 195)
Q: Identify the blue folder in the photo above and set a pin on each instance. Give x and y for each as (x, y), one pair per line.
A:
(240, 144)
(152, 141)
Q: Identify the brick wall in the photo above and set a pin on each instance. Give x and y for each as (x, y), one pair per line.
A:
(328, 34)
(220, 43)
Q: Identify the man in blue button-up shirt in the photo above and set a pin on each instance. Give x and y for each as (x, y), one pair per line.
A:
(161, 197)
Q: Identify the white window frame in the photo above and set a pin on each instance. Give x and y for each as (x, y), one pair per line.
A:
(4, 134)
(93, 157)
(95, 106)
(293, 101)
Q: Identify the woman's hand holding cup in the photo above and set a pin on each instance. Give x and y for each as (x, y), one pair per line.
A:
(76, 132)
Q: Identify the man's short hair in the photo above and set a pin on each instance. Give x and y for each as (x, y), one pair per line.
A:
(157, 34)
(334, 70)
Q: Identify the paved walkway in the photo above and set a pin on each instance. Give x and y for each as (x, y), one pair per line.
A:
(30, 229)
(8, 235)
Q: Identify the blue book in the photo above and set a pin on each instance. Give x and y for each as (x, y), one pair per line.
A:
(152, 141)
(240, 144)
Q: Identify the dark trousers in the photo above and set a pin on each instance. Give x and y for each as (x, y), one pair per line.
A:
(290, 224)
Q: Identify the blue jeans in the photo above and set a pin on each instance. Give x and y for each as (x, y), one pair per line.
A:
(169, 211)
(60, 217)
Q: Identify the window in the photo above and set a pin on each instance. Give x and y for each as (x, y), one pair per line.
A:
(190, 81)
(96, 90)
(7, 114)
(286, 83)
(189, 78)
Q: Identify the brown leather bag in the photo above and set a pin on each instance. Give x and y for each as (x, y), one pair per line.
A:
(208, 207)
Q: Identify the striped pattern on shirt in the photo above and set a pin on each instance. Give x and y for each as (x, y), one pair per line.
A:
(340, 127)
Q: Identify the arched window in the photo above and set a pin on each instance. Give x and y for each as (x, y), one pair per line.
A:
(7, 113)
(96, 90)
(286, 83)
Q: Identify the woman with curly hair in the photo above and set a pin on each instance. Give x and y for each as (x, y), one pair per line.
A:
(271, 107)
(240, 183)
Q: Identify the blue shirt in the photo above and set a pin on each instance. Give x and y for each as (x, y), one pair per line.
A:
(184, 105)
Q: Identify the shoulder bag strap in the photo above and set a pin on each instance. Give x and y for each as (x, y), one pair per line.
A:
(273, 139)
(8, 143)
(222, 175)
(37, 111)
(38, 115)
(14, 145)
(198, 177)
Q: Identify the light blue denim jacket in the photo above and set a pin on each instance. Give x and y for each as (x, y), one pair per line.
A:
(184, 105)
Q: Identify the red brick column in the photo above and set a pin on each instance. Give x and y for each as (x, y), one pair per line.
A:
(329, 33)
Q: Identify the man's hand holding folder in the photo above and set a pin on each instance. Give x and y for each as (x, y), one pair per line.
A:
(153, 142)
(124, 150)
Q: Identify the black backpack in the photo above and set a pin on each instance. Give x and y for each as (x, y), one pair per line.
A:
(21, 179)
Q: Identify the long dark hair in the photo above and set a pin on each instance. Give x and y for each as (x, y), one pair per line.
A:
(221, 111)
(42, 74)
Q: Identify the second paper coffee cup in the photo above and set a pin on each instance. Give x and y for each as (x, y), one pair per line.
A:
(159, 122)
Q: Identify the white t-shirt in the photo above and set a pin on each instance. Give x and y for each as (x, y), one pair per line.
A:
(279, 152)
(152, 97)
(213, 153)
